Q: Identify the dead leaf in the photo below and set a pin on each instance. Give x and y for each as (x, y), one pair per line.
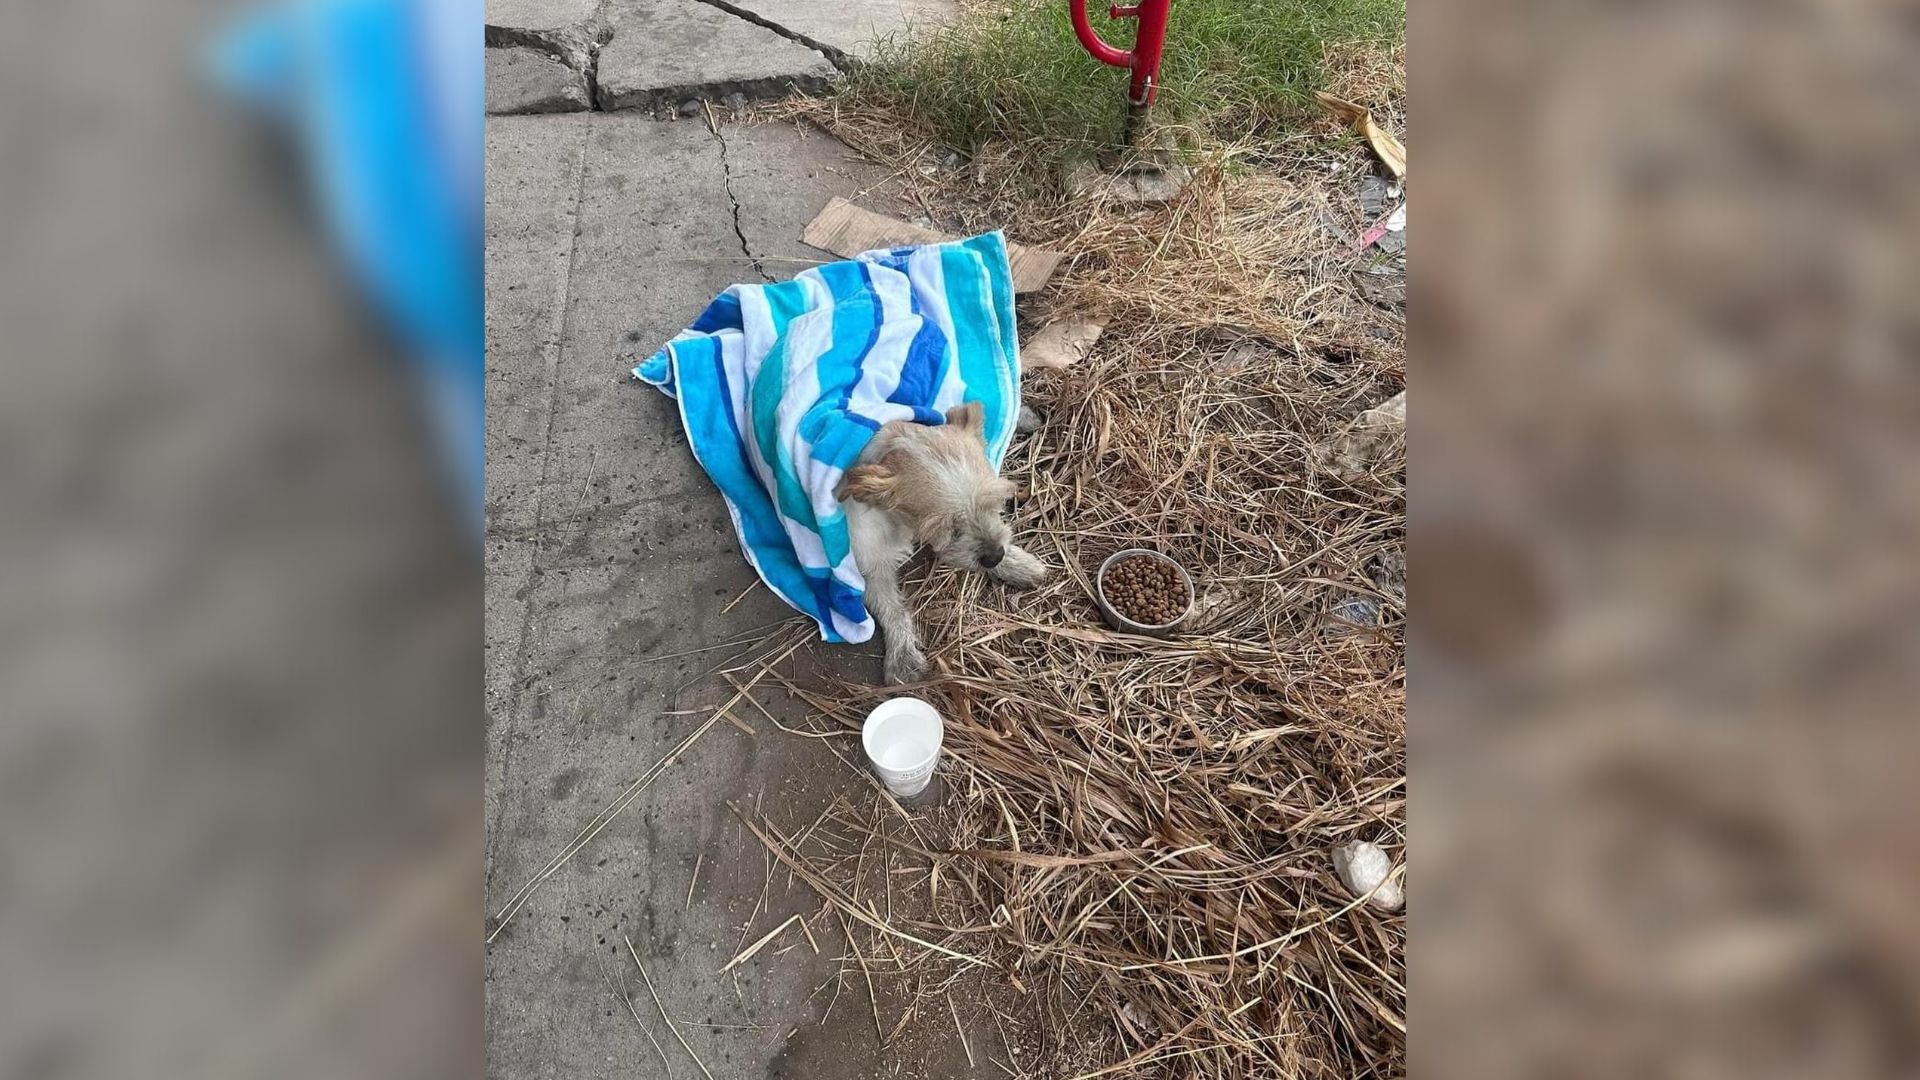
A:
(1385, 146)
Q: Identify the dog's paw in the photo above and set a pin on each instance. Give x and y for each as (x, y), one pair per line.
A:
(906, 666)
(1028, 421)
(1021, 569)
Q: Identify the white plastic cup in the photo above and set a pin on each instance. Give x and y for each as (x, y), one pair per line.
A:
(902, 739)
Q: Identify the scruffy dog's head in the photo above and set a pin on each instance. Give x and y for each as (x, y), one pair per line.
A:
(937, 480)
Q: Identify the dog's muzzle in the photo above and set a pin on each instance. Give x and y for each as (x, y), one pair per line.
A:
(991, 554)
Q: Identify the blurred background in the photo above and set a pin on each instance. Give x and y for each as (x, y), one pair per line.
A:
(1662, 476)
(240, 719)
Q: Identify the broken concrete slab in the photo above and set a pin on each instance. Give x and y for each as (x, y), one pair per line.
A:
(540, 14)
(567, 30)
(666, 52)
(1139, 184)
(526, 80)
(842, 28)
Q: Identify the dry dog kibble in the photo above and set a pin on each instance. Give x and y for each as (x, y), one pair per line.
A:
(1146, 590)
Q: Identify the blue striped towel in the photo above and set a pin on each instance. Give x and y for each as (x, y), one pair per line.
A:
(782, 386)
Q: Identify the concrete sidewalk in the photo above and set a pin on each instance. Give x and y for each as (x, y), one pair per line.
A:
(668, 56)
(610, 560)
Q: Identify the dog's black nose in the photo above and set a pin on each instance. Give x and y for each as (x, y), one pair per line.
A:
(990, 556)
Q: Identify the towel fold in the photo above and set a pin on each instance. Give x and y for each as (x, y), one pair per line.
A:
(780, 387)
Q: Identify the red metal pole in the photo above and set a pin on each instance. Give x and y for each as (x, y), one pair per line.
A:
(1148, 39)
(1101, 51)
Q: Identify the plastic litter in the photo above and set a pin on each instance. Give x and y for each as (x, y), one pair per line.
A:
(902, 739)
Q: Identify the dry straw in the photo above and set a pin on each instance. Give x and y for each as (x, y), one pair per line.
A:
(1135, 838)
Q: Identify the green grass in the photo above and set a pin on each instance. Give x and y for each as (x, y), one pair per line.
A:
(1233, 67)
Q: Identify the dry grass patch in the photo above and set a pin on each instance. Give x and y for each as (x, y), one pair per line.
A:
(1133, 852)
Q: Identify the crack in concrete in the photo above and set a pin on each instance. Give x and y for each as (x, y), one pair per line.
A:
(834, 56)
(726, 177)
(592, 75)
(600, 28)
(578, 47)
(575, 47)
(570, 45)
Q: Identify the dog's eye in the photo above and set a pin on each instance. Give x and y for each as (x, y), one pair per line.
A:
(1007, 507)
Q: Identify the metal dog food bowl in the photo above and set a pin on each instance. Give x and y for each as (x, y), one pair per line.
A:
(1121, 622)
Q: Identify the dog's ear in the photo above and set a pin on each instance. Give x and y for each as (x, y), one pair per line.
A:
(969, 417)
(869, 484)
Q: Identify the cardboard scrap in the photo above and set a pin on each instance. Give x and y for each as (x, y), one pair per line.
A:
(1061, 344)
(1385, 146)
(847, 230)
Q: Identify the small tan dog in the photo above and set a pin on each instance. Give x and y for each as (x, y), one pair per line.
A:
(918, 485)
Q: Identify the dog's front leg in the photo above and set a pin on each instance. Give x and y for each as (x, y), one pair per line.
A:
(1020, 568)
(905, 662)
